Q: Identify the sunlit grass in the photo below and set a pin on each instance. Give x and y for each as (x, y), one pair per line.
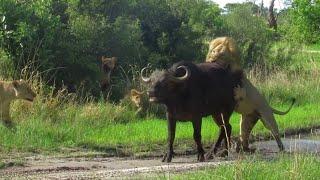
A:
(295, 166)
(139, 135)
(54, 121)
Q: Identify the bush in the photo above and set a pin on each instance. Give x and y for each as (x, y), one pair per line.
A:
(251, 33)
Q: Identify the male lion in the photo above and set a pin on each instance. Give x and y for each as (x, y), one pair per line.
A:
(107, 67)
(12, 90)
(250, 103)
(224, 50)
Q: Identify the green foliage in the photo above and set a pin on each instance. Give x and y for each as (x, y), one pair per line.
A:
(281, 54)
(64, 40)
(250, 31)
(301, 22)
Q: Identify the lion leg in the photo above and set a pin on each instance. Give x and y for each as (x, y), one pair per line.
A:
(5, 116)
(270, 123)
(246, 125)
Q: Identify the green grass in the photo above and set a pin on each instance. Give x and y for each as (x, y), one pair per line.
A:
(281, 167)
(136, 136)
(52, 123)
(315, 47)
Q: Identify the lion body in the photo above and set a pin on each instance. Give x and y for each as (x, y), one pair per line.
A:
(251, 104)
(10, 91)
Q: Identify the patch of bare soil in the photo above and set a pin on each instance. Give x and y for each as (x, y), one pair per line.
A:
(49, 167)
(88, 165)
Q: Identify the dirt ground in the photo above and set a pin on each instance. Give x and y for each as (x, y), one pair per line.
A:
(92, 165)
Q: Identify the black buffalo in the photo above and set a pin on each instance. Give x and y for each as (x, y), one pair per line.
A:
(192, 91)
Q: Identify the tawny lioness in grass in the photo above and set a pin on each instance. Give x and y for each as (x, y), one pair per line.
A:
(10, 91)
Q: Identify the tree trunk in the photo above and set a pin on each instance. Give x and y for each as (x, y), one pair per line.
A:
(260, 10)
(271, 17)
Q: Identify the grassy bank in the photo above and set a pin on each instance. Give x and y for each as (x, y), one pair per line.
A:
(35, 134)
(54, 122)
(282, 167)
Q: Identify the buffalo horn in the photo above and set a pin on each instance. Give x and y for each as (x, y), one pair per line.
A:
(185, 76)
(144, 79)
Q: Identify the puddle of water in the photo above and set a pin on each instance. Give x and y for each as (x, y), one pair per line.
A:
(314, 137)
(305, 144)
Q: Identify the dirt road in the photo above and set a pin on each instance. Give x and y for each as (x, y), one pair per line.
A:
(96, 167)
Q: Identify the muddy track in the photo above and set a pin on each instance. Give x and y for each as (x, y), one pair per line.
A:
(88, 165)
(106, 168)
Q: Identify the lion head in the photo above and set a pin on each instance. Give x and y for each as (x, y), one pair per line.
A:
(224, 49)
(136, 97)
(23, 90)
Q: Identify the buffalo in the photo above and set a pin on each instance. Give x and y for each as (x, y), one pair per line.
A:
(192, 91)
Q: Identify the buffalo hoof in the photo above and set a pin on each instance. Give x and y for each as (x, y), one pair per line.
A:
(201, 157)
(240, 149)
(223, 153)
(208, 155)
(167, 157)
(281, 147)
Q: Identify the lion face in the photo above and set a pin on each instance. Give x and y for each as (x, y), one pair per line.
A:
(23, 90)
(108, 64)
(224, 50)
(216, 52)
(136, 97)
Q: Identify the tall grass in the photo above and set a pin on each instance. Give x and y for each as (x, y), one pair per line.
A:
(57, 119)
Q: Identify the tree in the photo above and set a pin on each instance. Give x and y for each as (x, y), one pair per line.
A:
(250, 31)
(301, 22)
(271, 16)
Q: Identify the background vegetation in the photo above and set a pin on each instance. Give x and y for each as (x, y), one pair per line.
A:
(56, 43)
(63, 40)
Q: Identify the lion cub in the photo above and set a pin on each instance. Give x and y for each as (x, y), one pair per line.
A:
(250, 103)
(12, 90)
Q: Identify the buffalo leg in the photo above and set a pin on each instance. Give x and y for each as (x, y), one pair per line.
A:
(222, 135)
(197, 137)
(171, 135)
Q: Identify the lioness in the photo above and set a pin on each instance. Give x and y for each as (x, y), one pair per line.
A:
(250, 103)
(139, 100)
(107, 66)
(144, 107)
(12, 90)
